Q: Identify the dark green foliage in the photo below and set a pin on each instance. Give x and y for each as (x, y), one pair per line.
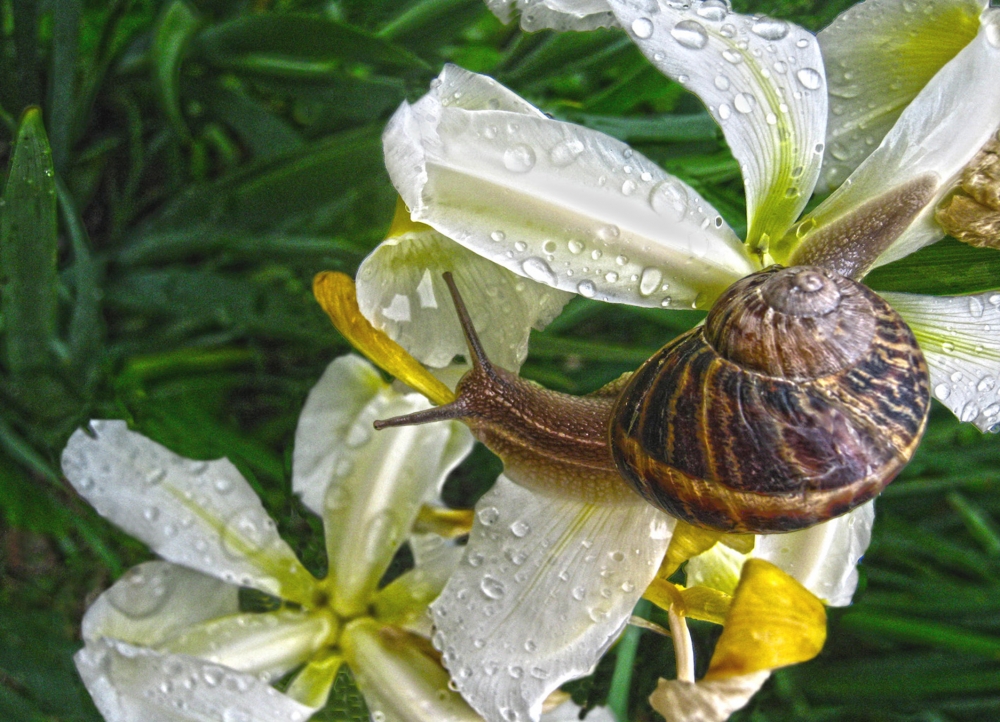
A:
(178, 170)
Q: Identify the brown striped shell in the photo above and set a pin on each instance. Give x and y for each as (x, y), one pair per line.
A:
(800, 398)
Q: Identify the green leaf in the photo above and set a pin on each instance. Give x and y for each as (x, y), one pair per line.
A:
(297, 45)
(175, 28)
(945, 268)
(28, 283)
(66, 16)
(657, 129)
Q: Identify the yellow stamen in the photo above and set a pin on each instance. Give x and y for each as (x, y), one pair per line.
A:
(773, 621)
(335, 293)
(449, 523)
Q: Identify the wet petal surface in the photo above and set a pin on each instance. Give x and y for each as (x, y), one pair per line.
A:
(555, 14)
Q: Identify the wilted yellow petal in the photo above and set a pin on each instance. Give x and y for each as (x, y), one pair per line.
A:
(449, 523)
(705, 700)
(688, 541)
(743, 543)
(664, 594)
(773, 621)
(708, 605)
(335, 293)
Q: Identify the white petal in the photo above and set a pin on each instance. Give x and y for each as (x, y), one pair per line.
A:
(823, 558)
(201, 514)
(154, 601)
(130, 683)
(570, 712)
(545, 587)
(400, 683)
(960, 338)
(879, 54)
(762, 80)
(937, 135)
(370, 507)
(267, 644)
(401, 291)
(707, 700)
(557, 203)
(330, 417)
(556, 14)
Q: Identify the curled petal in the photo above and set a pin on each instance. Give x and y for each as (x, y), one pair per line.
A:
(960, 340)
(557, 203)
(267, 644)
(773, 621)
(155, 601)
(763, 81)
(879, 55)
(710, 700)
(399, 679)
(824, 558)
(943, 129)
(718, 568)
(201, 514)
(556, 14)
(131, 683)
(372, 502)
(401, 289)
(545, 587)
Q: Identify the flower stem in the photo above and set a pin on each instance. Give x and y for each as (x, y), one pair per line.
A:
(621, 680)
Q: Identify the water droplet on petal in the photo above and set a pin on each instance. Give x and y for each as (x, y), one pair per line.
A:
(538, 270)
(488, 515)
(520, 528)
(722, 82)
(668, 200)
(565, 152)
(642, 27)
(492, 587)
(608, 233)
(586, 289)
(519, 158)
(628, 187)
(690, 34)
(650, 280)
(809, 78)
(975, 307)
(498, 236)
(970, 411)
(713, 10)
(575, 246)
(579, 593)
(744, 103)
(942, 391)
(770, 29)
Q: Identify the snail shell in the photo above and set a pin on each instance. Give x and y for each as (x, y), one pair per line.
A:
(801, 397)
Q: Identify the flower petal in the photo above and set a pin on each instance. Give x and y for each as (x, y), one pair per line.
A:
(879, 55)
(710, 700)
(947, 124)
(403, 603)
(960, 338)
(201, 514)
(545, 587)
(402, 291)
(718, 568)
(371, 503)
(763, 81)
(773, 621)
(398, 679)
(554, 202)
(152, 602)
(569, 711)
(267, 644)
(131, 683)
(824, 558)
(312, 684)
(556, 14)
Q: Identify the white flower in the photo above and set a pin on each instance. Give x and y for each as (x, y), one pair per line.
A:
(169, 640)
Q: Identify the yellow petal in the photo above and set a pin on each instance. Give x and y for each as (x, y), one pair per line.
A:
(311, 686)
(335, 293)
(402, 223)
(708, 605)
(688, 541)
(773, 621)
(449, 523)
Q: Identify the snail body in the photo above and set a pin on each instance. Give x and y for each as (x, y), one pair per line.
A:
(801, 397)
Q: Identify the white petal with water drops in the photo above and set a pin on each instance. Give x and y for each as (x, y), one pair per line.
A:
(201, 514)
(404, 601)
(504, 306)
(705, 701)
(332, 415)
(762, 79)
(545, 587)
(399, 681)
(879, 54)
(564, 213)
(960, 338)
(824, 558)
(939, 133)
(131, 683)
(370, 507)
(154, 601)
(555, 14)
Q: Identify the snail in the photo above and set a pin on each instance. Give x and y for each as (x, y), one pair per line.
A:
(801, 397)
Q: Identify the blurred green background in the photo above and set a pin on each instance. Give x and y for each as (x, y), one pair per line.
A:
(194, 164)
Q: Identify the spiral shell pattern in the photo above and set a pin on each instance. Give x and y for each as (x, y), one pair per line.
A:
(800, 398)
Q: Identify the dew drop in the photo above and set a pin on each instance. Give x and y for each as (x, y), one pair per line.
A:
(566, 152)
(975, 307)
(579, 593)
(611, 277)
(731, 56)
(722, 82)
(515, 671)
(608, 233)
(539, 673)
(642, 27)
(621, 260)
(628, 187)
(492, 587)
(809, 78)
(725, 112)
(538, 270)
(650, 280)
(668, 200)
(151, 514)
(986, 383)
(713, 10)
(520, 528)
(520, 246)
(549, 246)
(970, 411)
(942, 391)
(519, 158)
(769, 28)
(530, 646)
(586, 289)
(488, 515)
(155, 476)
(498, 236)
(744, 103)
(575, 246)
(690, 34)
(803, 43)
